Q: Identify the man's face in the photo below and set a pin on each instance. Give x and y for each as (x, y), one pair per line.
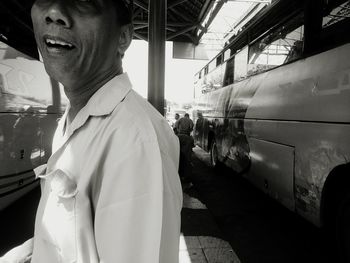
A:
(78, 39)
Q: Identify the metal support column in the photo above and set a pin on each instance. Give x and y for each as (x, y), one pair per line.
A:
(156, 52)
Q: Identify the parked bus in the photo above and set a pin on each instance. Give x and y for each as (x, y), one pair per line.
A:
(274, 105)
(30, 104)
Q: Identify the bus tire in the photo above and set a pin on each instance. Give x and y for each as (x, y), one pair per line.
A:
(343, 229)
(214, 160)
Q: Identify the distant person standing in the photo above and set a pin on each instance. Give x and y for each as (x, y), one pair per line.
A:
(177, 117)
(184, 127)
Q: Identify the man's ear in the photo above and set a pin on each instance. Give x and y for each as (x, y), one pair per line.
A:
(126, 34)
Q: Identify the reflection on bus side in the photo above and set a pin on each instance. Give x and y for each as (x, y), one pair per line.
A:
(30, 105)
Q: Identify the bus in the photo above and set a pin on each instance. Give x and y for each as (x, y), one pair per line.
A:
(30, 104)
(274, 105)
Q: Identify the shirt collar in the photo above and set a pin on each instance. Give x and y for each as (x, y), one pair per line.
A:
(103, 102)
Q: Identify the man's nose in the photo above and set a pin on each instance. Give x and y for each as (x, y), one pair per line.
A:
(57, 13)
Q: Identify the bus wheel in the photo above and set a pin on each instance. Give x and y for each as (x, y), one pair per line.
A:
(213, 154)
(343, 229)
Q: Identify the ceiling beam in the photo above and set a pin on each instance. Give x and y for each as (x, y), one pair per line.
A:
(176, 2)
(199, 26)
(137, 12)
(187, 23)
(181, 14)
(192, 38)
(180, 32)
(140, 22)
(18, 5)
(140, 27)
(180, 24)
(205, 9)
(207, 6)
(142, 37)
(139, 36)
(141, 4)
(212, 16)
(171, 16)
(174, 24)
(252, 1)
(20, 21)
(171, 29)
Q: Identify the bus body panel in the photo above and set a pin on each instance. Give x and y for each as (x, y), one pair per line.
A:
(307, 105)
(9, 197)
(319, 148)
(313, 89)
(297, 116)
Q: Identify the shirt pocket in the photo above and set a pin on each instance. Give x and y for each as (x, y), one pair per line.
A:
(58, 224)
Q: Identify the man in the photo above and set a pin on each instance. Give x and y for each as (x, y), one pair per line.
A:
(110, 190)
(184, 128)
(184, 125)
(177, 117)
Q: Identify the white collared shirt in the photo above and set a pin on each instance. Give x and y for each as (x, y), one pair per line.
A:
(111, 191)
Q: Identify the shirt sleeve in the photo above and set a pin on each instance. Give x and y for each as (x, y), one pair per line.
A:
(191, 125)
(129, 213)
(21, 253)
(177, 124)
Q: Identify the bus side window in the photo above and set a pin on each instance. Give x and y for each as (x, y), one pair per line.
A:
(335, 24)
(230, 66)
(277, 48)
(219, 60)
(336, 13)
(212, 66)
(240, 64)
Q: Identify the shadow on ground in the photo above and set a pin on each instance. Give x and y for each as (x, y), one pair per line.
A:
(258, 228)
(17, 221)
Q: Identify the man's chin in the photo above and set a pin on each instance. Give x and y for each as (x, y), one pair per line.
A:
(58, 72)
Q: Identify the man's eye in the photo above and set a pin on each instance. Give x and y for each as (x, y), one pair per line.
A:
(84, 1)
(85, 6)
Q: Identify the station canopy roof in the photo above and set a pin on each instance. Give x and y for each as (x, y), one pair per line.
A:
(187, 21)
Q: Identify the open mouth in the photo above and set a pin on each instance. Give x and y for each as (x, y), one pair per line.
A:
(58, 44)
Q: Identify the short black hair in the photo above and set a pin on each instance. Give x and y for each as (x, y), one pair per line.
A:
(124, 10)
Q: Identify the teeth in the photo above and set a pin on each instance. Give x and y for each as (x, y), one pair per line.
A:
(58, 42)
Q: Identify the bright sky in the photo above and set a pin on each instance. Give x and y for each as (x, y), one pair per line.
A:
(179, 73)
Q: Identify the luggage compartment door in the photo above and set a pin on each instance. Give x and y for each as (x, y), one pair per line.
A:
(272, 170)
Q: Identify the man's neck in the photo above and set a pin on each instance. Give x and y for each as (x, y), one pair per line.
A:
(78, 98)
